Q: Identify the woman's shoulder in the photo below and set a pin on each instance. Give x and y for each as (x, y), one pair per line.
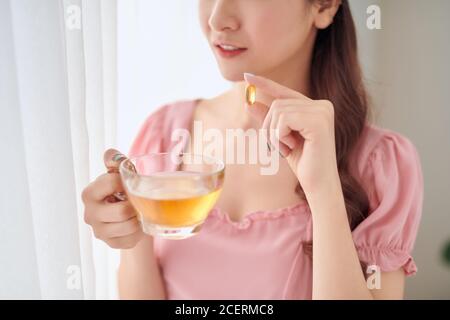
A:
(388, 166)
(172, 114)
(382, 144)
(155, 132)
(172, 110)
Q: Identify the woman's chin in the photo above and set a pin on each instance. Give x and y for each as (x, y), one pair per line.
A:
(233, 76)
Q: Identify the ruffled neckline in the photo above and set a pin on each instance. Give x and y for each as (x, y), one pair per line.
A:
(300, 208)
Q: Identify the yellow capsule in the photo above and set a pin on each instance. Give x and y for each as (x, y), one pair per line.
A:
(250, 94)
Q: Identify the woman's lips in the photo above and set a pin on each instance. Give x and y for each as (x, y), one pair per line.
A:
(229, 53)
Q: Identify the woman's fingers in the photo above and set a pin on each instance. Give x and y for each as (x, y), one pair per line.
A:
(269, 125)
(258, 111)
(272, 99)
(112, 159)
(273, 89)
(105, 185)
(117, 229)
(286, 120)
(115, 212)
(266, 92)
(285, 140)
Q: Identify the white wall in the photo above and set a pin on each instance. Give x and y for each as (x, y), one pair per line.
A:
(407, 71)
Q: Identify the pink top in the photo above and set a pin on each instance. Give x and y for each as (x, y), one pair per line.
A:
(261, 257)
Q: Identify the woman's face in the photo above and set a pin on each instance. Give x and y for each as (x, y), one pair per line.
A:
(278, 36)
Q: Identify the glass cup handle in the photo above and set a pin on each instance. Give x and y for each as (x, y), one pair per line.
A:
(120, 196)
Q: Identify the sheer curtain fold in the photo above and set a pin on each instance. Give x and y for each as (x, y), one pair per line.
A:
(58, 106)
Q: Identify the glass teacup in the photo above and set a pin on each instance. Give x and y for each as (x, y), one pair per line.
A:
(172, 193)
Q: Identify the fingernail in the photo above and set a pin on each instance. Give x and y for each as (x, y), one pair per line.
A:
(246, 74)
(117, 157)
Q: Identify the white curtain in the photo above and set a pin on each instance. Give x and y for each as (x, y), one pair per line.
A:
(58, 115)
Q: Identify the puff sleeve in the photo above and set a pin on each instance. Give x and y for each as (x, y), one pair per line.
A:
(149, 138)
(393, 180)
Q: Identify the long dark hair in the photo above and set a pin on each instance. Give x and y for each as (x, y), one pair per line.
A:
(336, 76)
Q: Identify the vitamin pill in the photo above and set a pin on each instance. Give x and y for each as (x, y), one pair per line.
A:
(250, 94)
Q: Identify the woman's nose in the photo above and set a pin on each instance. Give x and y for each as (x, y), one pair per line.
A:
(224, 16)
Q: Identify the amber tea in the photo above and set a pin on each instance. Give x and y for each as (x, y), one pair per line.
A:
(173, 201)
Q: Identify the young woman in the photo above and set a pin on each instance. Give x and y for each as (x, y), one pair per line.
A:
(340, 217)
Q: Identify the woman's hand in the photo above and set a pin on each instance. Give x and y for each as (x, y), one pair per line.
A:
(301, 129)
(113, 221)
